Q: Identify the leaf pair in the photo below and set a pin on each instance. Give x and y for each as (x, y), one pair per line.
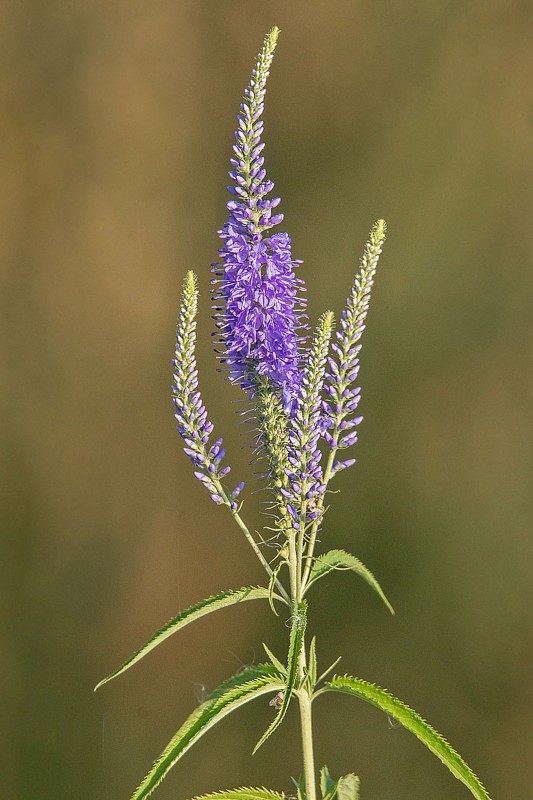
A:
(234, 693)
(247, 685)
(298, 625)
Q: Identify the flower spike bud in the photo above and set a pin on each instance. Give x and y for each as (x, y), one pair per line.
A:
(305, 473)
(272, 442)
(257, 303)
(193, 425)
(339, 408)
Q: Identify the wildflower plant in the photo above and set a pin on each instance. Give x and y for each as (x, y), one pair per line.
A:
(303, 400)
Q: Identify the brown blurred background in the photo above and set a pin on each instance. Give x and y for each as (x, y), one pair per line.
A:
(116, 126)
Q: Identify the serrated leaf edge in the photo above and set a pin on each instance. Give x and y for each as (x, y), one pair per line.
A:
(347, 562)
(247, 685)
(414, 723)
(214, 603)
(298, 625)
(347, 793)
(243, 793)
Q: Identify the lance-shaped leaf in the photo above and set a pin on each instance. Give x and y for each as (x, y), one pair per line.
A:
(220, 600)
(275, 661)
(412, 722)
(298, 624)
(249, 684)
(245, 793)
(341, 560)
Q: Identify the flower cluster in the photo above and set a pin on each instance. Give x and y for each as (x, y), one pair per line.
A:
(258, 309)
(339, 425)
(300, 397)
(305, 474)
(191, 415)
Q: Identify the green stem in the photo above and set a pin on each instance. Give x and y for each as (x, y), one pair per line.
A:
(293, 565)
(304, 695)
(299, 556)
(242, 525)
(306, 722)
(314, 529)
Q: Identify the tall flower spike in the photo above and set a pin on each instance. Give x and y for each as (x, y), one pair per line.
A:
(305, 472)
(259, 313)
(339, 420)
(193, 425)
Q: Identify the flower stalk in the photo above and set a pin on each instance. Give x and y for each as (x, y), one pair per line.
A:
(303, 399)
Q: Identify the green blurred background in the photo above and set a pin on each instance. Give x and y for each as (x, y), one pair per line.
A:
(117, 122)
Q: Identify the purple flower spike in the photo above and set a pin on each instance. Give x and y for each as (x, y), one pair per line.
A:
(259, 313)
(193, 425)
(342, 397)
(305, 473)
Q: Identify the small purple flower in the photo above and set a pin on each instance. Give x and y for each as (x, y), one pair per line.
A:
(259, 312)
(305, 474)
(193, 425)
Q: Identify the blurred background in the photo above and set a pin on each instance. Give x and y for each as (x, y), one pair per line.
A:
(116, 127)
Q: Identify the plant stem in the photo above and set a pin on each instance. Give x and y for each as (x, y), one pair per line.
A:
(242, 525)
(314, 529)
(307, 743)
(293, 566)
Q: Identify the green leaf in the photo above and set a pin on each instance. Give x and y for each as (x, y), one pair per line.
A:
(348, 787)
(298, 624)
(328, 786)
(247, 685)
(275, 661)
(341, 560)
(412, 722)
(271, 585)
(220, 600)
(329, 669)
(244, 793)
(300, 788)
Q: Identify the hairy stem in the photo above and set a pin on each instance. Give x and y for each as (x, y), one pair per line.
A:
(306, 723)
(293, 566)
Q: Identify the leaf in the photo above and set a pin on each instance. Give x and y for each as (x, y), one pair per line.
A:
(329, 669)
(275, 661)
(412, 722)
(220, 600)
(298, 624)
(250, 683)
(328, 786)
(348, 787)
(300, 788)
(341, 560)
(271, 584)
(244, 793)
